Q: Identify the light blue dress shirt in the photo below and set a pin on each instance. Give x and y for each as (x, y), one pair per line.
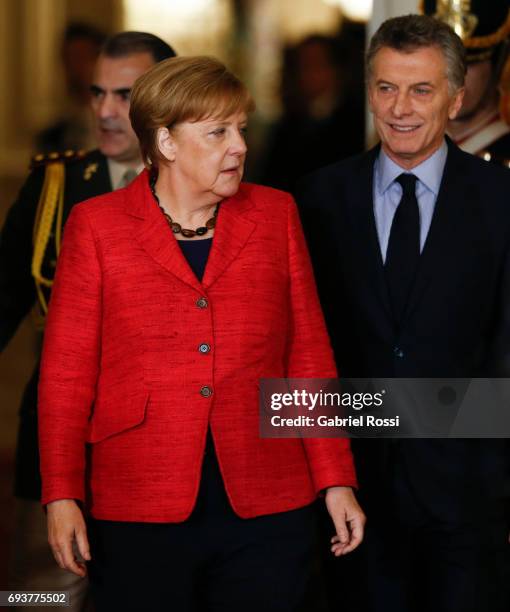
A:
(388, 193)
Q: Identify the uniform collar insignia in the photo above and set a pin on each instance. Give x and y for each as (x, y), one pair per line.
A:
(89, 171)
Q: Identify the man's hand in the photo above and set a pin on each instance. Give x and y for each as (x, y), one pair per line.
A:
(348, 519)
(66, 525)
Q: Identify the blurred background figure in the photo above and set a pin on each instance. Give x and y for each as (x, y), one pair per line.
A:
(75, 130)
(482, 126)
(323, 116)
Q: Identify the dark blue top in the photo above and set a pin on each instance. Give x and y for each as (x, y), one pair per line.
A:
(196, 252)
(212, 497)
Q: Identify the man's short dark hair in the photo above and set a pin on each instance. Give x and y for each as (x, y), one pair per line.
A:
(128, 43)
(411, 32)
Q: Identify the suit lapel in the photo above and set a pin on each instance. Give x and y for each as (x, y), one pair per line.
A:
(155, 235)
(448, 216)
(230, 236)
(360, 198)
(157, 240)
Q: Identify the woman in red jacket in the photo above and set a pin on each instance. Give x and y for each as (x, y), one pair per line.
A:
(172, 298)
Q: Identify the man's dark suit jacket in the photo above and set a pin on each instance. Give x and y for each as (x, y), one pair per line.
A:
(457, 323)
(85, 178)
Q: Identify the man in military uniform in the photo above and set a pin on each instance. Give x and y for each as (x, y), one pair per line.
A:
(481, 127)
(29, 247)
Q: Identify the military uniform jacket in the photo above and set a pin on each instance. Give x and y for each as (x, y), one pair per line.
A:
(85, 177)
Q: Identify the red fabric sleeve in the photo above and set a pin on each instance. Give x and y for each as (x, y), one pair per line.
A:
(310, 356)
(70, 362)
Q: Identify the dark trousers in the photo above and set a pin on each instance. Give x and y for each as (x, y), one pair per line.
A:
(214, 561)
(410, 561)
(415, 562)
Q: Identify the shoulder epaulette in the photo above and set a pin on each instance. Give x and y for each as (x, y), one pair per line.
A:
(43, 159)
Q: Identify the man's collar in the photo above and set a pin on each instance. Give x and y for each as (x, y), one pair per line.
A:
(429, 172)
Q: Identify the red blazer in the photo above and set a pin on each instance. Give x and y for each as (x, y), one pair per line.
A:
(122, 415)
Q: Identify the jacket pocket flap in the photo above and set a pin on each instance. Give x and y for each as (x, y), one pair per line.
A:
(116, 415)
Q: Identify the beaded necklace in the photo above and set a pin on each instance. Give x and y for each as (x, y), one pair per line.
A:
(176, 227)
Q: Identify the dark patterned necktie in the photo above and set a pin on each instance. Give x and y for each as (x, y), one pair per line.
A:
(403, 251)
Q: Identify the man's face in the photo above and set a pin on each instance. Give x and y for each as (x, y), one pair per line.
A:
(111, 89)
(411, 102)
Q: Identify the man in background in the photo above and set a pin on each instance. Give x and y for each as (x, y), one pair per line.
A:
(323, 116)
(80, 48)
(29, 246)
(481, 126)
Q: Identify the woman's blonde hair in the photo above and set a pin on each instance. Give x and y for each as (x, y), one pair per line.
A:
(183, 89)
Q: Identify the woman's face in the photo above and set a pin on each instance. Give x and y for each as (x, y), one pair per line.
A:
(208, 156)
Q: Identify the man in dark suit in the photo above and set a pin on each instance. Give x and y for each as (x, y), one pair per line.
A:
(29, 245)
(411, 249)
